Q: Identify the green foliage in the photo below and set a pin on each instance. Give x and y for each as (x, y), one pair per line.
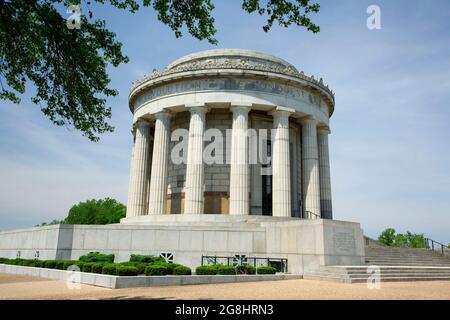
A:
(284, 12)
(126, 270)
(110, 268)
(97, 267)
(182, 271)
(387, 237)
(97, 257)
(226, 270)
(139, 266)
(408, 240)
(50, 264)
(266, 270)
(137, 258)
(103, 211)
(60, 264)
(87, 267)
(68, 67)
(53, 222)
(245, 269)
(206, 270)
(68, 263)
(156, 270)
(4, 260)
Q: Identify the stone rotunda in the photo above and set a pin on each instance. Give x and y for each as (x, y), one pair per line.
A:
(241, 95)
(230, 164)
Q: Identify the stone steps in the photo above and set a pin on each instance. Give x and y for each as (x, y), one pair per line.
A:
(395, 264)
(355, 274)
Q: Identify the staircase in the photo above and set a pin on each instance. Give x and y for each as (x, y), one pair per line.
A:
(391, 264)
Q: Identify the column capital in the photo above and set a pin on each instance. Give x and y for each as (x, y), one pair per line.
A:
(141, 122)
(281, 112)
(162, 115)
(307, 120)
(323, 130)
(197, 108)
(240, 108)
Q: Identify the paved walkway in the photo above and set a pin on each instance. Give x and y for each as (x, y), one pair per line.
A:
(25, 287)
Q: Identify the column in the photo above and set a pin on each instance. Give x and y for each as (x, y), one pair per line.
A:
(281, 172)
(310, 158)
(239, 167)
(157, 200)
(324, 173)
(139, 170)
(193, 199)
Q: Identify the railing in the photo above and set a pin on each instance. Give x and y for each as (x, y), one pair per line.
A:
(280, 264)
(434, 245)
(310, 213)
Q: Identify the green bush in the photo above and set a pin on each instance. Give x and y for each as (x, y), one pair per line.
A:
(26, 262)
(97, 267)
(245, 269)
(156, 270)
(228, 270)
(266, 270)
(182, 271)
(206, 270)
(39, 263)
(4, 260)
(126, 270)
(50, 264)
(140, 266)
(68, 263)
(60, 264)
(87, 267)
(137, 258)
(110, 268)
(97, 257)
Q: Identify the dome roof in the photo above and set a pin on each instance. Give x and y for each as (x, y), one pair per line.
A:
(230, 53)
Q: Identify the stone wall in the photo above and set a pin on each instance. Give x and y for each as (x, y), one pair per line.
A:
(307, 244)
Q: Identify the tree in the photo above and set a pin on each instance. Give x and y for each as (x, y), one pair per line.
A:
(387, 237)
(68, 66)
(93, 211)
(408, 240)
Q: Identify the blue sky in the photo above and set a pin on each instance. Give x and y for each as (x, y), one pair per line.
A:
(390, 153)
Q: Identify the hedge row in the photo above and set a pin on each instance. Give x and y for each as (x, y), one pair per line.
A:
(230, 270)
(120, 269)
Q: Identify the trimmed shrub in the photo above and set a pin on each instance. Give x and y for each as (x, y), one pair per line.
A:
(182, 271)
(245, 269)
(39, 263)
(266, 270)
(206, 270)
(156, 270)
(126, 270)
(140, 266)
(138, 258)
(68, 263)
(4, 260)
(110, 268)
(97, 257)
(87, 267)
(97, 267)
(50, 264)
(26, 262)
(228, 270)
(59, 264)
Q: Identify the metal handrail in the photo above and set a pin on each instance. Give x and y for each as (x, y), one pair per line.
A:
(314, 214)
(433, 244)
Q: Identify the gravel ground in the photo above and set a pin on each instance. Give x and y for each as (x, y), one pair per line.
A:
(25, 287)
